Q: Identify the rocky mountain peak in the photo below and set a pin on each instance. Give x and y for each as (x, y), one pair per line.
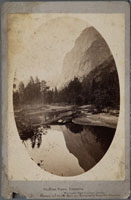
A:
(89, 51)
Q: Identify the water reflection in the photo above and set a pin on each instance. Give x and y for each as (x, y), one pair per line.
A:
(69, 149)
(90, 145)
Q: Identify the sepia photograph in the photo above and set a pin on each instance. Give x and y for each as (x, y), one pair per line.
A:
(66, 98)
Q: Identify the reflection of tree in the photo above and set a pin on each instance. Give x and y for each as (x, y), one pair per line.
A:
(36, 139)
(74, 128)
(103, 135)
(26, 131)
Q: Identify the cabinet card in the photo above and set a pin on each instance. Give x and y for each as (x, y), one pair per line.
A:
(65, 100)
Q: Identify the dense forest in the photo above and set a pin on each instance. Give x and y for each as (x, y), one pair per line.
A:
(100, 88)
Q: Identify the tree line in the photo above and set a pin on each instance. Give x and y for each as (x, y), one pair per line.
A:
(31, 93)
(102, 92)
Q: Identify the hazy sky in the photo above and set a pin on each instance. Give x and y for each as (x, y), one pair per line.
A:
(38, 44)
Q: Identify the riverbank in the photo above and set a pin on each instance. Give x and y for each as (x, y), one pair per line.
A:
(60, 115)
(101, 119)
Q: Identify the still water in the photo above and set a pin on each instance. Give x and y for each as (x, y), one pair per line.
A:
(69, 150)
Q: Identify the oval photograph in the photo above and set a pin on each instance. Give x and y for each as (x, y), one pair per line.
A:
(66, 95)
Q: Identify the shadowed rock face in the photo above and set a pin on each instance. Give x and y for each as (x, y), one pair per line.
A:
(89, 145)
(89, 51)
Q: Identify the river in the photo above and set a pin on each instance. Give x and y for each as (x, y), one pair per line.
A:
(71, 149)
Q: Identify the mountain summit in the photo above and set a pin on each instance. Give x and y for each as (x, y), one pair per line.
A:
(89, 51)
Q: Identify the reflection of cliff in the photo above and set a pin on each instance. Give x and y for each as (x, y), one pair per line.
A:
(102, 135)
(86, 146)
(53, 155)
